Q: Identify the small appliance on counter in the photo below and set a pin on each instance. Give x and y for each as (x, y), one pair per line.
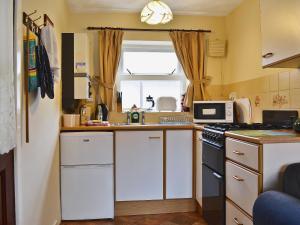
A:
(213, 111)
(102, 112)
(243, 110)
(150, 103)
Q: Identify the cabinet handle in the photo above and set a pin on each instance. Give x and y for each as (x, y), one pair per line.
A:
(153, 138)
(238, 178)
(86, 140)
(238, 153)
(268, 55)
(237, 221)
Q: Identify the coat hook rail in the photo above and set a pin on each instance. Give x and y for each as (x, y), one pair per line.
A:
(37, 18)
(47, 20)
(34, 12)
(30, 23)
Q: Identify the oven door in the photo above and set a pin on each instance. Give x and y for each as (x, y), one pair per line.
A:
(213, 205)
(213, 157)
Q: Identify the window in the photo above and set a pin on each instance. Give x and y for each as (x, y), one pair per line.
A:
(149, 68)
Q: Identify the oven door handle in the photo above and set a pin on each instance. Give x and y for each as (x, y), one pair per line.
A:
(217, 175)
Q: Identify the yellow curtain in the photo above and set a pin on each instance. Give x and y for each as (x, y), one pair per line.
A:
(190, 50)
(110, 45)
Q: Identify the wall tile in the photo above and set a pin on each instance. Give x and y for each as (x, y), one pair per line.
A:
(284, 81)
(295, 98)
(295, 79)
(272, 96)
(285, 96)
(273, 79)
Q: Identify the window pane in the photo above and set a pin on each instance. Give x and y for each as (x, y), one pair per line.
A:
(150, 63)
(161, 89)
(130, 94)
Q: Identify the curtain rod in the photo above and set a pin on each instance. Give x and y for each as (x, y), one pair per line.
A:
(146, 30)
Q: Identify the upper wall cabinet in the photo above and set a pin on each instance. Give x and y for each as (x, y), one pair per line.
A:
(280, 26)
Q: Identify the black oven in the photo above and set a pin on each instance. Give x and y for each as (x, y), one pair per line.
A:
(213, 183)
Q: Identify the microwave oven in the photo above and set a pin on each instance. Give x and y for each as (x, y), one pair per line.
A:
(213, 111)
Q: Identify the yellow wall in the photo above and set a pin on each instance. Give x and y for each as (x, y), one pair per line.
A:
(266, 88)
(244, 44)
(79, 22)
(37, 163)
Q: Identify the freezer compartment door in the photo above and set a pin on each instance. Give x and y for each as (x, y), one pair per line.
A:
(82, 148)
(87, 192)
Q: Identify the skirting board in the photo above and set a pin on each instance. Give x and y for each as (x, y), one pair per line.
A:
(155, 207)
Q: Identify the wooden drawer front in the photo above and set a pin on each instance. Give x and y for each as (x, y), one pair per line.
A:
(243, 152)
(235, 216)
(241, 186)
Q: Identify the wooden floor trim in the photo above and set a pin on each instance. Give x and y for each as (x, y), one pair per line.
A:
(155, 207)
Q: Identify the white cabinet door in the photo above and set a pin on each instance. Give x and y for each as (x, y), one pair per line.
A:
(81, 53)
(199, 167)
(280, 30)
(83, 148)
(179, 159)
(139, 165)
(87, 192)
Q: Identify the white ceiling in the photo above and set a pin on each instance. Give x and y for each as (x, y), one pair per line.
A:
(184, 7)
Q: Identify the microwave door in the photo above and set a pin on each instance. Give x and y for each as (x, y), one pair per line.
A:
(215, 112)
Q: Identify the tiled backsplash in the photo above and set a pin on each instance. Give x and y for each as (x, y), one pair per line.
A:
(276, 91)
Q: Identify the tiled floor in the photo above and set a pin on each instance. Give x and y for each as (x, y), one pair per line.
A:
(161, 219)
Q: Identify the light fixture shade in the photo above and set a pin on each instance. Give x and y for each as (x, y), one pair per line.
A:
(156, 12)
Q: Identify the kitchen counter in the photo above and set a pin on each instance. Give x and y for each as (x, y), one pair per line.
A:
(265, 136)
(130, 127)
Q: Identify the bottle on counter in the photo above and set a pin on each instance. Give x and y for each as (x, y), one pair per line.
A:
(85, 114)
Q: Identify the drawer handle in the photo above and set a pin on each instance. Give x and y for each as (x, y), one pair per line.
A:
(86, 140)
(237, 221)
(268, 55)
(238, 153)
(238, 178)
(151, 138)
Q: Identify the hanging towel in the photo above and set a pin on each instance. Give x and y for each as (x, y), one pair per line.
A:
(44, 72)
(32, 74)
(49, 40)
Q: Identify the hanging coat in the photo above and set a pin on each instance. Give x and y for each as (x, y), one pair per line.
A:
(44, 72)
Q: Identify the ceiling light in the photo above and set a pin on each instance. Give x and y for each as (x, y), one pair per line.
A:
(156, 12)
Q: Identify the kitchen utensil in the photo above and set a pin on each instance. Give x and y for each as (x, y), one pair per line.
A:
(102, 112)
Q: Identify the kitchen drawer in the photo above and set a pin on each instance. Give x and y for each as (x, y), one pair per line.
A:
(242, 186)
(86, 148)
(243, 153)
(235, 216)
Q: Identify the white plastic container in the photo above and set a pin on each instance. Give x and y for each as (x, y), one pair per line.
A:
(71, 120)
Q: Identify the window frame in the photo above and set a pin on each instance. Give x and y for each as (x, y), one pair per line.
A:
(150, 46)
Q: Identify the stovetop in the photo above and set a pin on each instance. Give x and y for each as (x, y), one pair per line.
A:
(244, 126)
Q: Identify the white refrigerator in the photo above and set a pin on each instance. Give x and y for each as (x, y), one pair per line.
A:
(87, 184)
